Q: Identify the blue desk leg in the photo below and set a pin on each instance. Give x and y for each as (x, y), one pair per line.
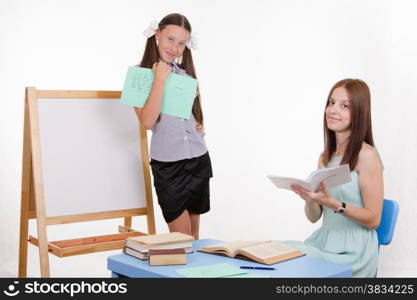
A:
(117, 275)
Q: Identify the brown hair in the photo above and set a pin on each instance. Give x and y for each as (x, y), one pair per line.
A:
(151, 55)
(361, 126)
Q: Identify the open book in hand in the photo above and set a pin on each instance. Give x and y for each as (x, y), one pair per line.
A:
(268, 252)
(331, 176)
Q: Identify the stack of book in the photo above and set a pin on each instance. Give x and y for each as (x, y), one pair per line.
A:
(168, 248)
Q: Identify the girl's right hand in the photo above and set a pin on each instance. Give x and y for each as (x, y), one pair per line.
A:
(161, 70)
(200, 128)
(322, 196)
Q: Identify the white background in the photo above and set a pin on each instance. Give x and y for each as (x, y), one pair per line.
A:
(265, 69)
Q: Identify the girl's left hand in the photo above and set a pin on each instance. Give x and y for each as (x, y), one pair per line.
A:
(200, 128)
(322, 196)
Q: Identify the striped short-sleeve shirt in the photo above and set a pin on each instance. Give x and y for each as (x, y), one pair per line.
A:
(174, 138)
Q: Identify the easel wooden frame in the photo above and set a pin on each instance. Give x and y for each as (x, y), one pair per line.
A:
(32, 194)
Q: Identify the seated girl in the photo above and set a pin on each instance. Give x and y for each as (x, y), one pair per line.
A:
(351, 212)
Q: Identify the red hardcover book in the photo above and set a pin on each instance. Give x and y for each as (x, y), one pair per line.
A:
(160, 257)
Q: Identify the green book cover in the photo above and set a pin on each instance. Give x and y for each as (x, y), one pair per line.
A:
(178, 97)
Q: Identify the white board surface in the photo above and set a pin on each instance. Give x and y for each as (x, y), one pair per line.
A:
(91, 157)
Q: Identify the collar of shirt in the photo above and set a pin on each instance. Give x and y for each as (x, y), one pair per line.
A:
(175, 68)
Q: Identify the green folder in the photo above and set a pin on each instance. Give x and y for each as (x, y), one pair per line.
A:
(179, 91)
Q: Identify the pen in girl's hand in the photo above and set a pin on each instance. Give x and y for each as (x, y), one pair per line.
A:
(257, 268)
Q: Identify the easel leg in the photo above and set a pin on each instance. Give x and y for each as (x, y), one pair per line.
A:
(25, 195)
(23, 243)
(36, 172)
(43, 248)
(147, 177)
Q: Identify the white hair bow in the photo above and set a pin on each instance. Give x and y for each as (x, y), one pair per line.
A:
(150, 31)
(153, 26)
(192, 42)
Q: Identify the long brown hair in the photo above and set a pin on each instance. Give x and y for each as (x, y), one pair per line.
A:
(151, 55)
(361, 126)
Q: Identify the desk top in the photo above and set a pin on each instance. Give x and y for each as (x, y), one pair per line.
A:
(304, 266)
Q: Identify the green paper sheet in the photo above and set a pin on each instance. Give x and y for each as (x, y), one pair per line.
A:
(247, 275)
(179, 91)
(211, 271)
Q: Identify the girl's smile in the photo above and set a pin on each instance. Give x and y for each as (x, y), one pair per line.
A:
(332, 119)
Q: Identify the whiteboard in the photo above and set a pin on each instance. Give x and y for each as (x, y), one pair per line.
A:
(91, 156)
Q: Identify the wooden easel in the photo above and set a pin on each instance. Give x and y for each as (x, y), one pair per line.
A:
(32, 195)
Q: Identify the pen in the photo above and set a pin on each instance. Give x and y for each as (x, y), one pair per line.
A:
(257, 268)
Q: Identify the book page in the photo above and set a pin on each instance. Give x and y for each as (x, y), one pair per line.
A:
(341, 176)
(266, 250)
(318, 176)
(331, 176)
(286, 182)
(230, 248)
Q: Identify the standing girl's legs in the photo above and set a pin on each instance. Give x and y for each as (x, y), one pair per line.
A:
(195, 225)
(186, 223)
(181, 224)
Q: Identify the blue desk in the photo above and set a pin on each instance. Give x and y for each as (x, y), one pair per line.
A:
(122, 265)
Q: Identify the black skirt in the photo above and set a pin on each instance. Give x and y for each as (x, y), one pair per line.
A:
(183, 185)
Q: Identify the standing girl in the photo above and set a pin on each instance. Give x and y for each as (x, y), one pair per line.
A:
(180, 162)
(351, 212)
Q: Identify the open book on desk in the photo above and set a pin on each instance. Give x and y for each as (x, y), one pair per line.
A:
(331, 176)
(268, 252)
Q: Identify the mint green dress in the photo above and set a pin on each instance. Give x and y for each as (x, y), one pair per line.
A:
(340, 239)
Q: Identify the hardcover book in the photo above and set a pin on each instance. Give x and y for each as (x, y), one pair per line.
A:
(160, 241)
(163, 257)
(145, 255)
